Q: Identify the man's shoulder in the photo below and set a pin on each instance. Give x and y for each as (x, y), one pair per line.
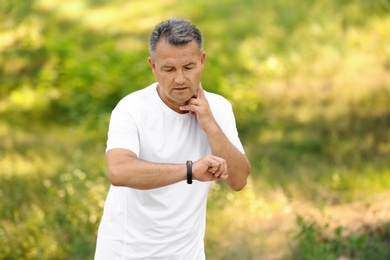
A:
(140, 94)
(138, 99)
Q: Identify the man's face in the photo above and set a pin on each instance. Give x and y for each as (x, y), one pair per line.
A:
(178, 71)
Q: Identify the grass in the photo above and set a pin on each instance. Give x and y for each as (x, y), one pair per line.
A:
(310, 87)
(368, 242)
(51, 197)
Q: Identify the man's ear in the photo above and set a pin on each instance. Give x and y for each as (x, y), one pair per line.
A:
(202, 59)
(152, 64)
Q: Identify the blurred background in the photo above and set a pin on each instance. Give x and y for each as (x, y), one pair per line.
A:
(310, 86)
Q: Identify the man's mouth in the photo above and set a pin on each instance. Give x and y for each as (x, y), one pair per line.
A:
(183, 88)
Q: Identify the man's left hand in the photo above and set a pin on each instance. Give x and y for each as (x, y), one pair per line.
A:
(199, 106)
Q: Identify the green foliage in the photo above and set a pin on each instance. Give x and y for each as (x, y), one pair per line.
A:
(51, 198)
(369, 242)
(308, 81)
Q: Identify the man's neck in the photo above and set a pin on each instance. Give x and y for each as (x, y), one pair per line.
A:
(175, 107)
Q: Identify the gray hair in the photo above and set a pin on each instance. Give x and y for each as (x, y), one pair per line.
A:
(177, 32)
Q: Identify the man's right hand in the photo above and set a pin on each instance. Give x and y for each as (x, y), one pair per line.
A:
(210, 168)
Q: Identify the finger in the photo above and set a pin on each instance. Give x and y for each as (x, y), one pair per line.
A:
(222, 169)
(193, 101)
(220, 161)
(191, 106)
(213, 168)
(184, 108)
(216, 171)
(188, 108)
(200, 92)
(224, 176)
(221, 175)
(213, 164)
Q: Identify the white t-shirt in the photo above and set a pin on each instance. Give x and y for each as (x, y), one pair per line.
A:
(168, 222)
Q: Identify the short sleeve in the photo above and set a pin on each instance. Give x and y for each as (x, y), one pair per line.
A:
(223, 113)
(123, 130)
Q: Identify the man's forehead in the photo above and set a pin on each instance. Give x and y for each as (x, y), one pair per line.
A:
(177, 55)
(171, 64)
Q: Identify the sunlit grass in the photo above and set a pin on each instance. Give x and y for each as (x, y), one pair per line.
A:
(240, 225)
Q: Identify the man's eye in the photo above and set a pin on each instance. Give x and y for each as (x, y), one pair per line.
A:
(189, 68)
(168, 70)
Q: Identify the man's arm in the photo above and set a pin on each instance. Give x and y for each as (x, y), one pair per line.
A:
(125, 169)
(238, 164)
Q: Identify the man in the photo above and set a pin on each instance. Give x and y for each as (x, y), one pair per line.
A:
(165, 144)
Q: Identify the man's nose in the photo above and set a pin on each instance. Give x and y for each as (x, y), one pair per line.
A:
(179, 78)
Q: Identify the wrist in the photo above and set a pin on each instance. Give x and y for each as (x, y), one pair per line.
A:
(212, 129)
